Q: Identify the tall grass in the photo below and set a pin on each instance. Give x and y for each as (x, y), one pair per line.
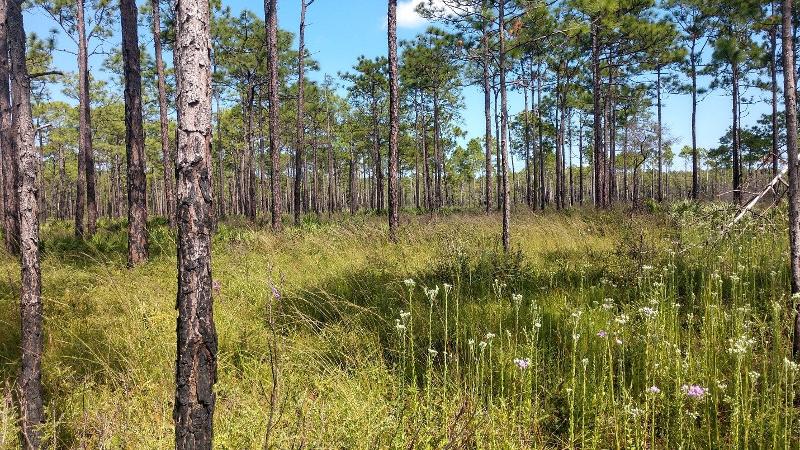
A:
(600, 330)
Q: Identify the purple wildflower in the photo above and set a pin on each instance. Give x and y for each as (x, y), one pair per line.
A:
(275, 294)
(654, 389)
(694, 391)
(522, 363)
(602, 333)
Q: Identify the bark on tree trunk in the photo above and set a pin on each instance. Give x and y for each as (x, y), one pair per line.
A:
(168, 164)
(298, 159)
(196, 365)
(134, 136)
(737, 176)
(352, 177)
(659, 150)
(487, 104)
(86, 171)
(271, 23)
(8, 146)
(30, 375)
(394, 123)
(790, 98)
(599, 154)
(773, 36)
(695, 155)
(504, 131)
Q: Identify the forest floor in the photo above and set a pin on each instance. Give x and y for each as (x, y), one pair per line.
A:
(600, 330)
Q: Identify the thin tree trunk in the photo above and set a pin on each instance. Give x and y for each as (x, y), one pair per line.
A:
(695, 154)
(599, 153)
(134, 136)
(737, 176)
(271, 23)
(298, 159)
(773, 37)
(504, 130)
(166, 154)
(487, 104)
(394, 123)
(31, 342)
(659, 136)
(196, 365)
(352, 179)
(8, 145)
(85, 153)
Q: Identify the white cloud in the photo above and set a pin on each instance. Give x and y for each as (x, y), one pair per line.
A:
(407, 16)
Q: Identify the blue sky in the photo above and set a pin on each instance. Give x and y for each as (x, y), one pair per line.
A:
(339, 31)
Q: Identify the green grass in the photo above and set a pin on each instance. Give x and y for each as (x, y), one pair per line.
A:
(600, 307)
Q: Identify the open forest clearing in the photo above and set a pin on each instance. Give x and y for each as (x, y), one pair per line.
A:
(410, 224)
(599, 330)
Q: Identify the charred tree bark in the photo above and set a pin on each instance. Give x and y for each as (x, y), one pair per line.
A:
(790, 98)
(737, 165)
(504, 130)
(8, 146)
(30, 375)
(169, 169)
(394, 123)
(196, 365)
(599, 152)
(86, 171)
(271, 13)
(298, 159)
(134, 136)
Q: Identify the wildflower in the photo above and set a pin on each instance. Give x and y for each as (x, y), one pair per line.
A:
(409, 282)
(576, 336)
(608, 304)
(537, 324)
(275, 294)
(602, 333)
(471, 342)
(399, 326)
(622, 319)
(618, 341)
(648, 311)
(448, 288)
(647, 267)
(489, 336)
(404, 315)
(522, 363)
(482, 345)
(432, 293)
(791, 365)
(585, 362)
(432, 353)
(740, 345)
(754, 375)
(654, 389)
(694, 391)
(517, 299)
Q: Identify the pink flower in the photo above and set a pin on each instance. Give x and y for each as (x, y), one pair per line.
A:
(522, 363)
(602, 334)
(694, 391)
(654, 389)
